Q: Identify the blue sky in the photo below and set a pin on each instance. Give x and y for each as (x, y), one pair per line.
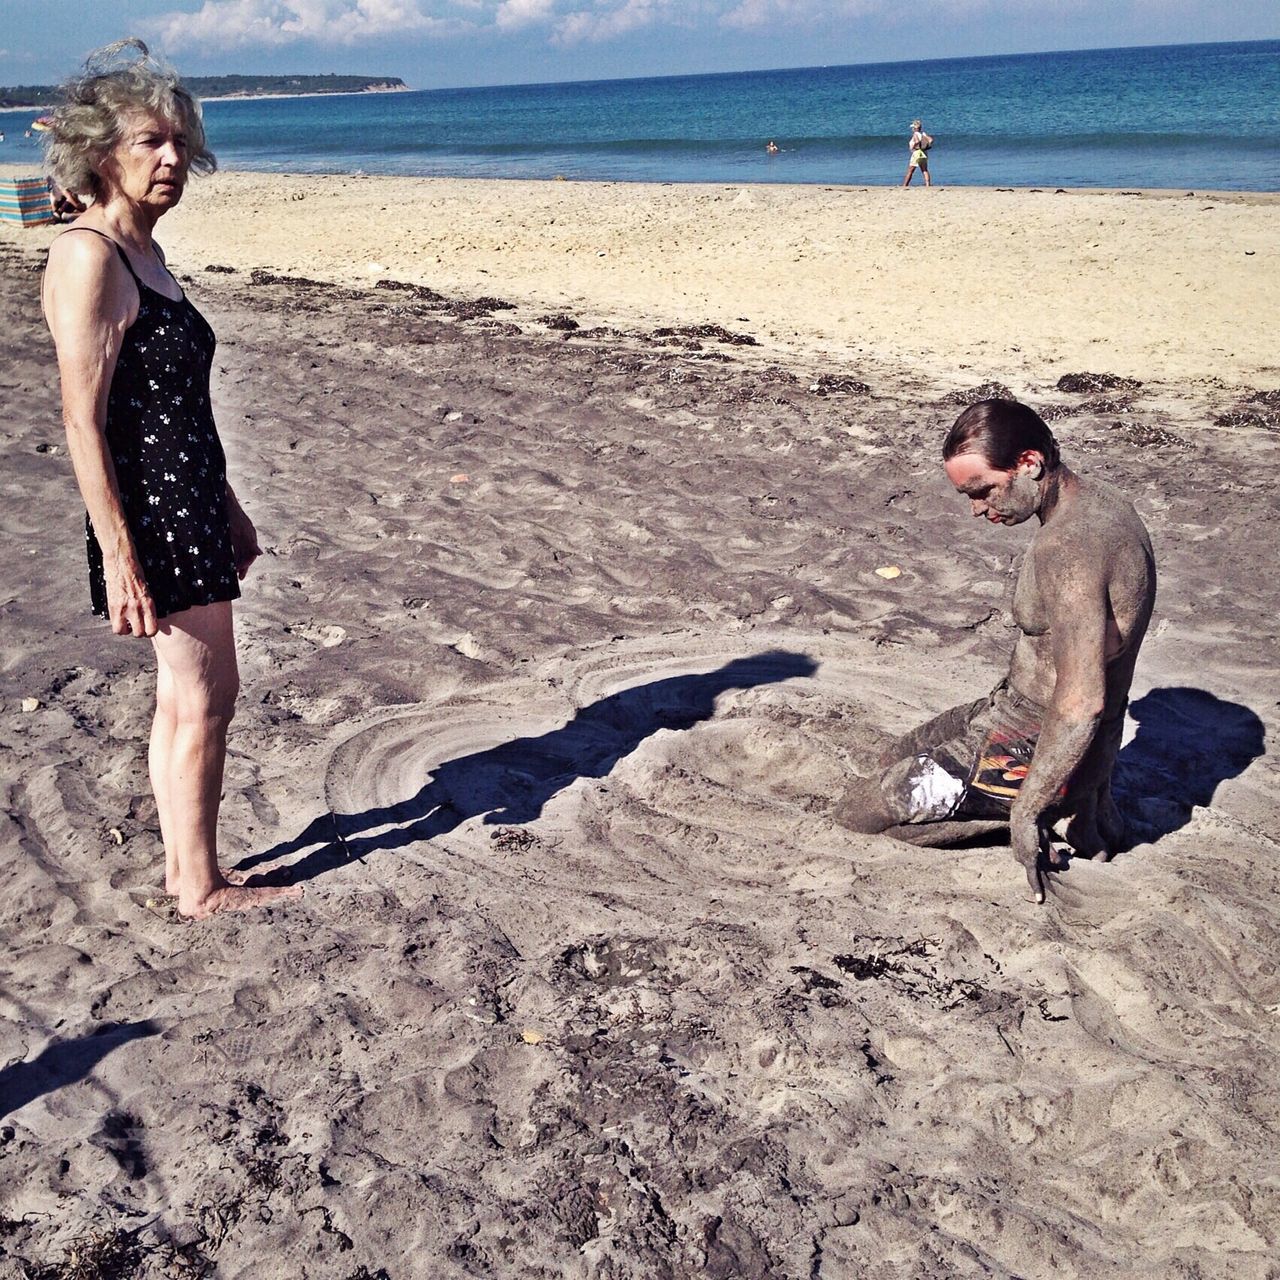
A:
(442, 43)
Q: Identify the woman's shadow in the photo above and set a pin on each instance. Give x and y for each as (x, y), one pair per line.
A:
(510, 783)
(1188, 742)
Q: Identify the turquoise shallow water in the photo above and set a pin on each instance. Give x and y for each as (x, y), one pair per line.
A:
(1189, 116)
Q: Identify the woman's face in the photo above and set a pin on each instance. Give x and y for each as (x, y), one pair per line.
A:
(148, 166)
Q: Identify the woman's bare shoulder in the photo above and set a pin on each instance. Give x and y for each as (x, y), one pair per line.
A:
(84, 276)
(81, 250)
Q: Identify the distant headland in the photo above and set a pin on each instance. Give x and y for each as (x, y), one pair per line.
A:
(46, 95)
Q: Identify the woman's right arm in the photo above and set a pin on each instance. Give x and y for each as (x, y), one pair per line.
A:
(89, 302)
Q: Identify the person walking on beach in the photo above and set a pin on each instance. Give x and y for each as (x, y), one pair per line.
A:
(1042, 745)
(918, 150)
(167, 540)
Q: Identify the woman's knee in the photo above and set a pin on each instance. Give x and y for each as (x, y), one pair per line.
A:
(199, 700)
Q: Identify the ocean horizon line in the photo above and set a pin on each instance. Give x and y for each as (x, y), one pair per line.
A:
(827, 66)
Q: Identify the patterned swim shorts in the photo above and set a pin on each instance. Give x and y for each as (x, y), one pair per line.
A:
(969, 762)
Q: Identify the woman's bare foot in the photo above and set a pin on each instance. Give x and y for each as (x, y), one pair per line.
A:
(173, 886)
(234, 897)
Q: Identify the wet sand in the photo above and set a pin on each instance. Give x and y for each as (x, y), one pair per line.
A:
(561, 646)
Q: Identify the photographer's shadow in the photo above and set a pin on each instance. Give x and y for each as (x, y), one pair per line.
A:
(65, 1062)
(512, 782)
(1188, 742)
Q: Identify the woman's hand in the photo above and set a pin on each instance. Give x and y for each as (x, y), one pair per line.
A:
(244, 537)
(129, 604)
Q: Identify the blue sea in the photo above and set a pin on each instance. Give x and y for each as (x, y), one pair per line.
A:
(1181, 116)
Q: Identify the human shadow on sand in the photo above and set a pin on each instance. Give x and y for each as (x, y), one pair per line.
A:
(510, 783)
(1188, 742)
(64, 1062)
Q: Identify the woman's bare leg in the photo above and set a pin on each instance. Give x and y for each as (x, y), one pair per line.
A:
(196, 691)
(911, 169)
(163, 726)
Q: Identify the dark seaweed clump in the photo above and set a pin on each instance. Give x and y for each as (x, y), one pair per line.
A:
(984, 391)
(908, 967)
(599, 331)
(830, 384)
(1249, 418)
(419, 292)
(473, 308)
(711, 331)
(1089, 383)
(100, 1255)
(1246, 415)
(1145, 435)
(259, 276)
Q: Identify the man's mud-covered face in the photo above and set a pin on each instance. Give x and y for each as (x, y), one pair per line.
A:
(1002, 497)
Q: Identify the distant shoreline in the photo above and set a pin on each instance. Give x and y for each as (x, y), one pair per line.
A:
(247, 95)
(337, 93)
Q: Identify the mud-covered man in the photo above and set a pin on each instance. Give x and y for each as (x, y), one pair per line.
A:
(1041, 747)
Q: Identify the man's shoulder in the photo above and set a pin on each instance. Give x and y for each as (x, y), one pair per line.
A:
(1099, 517)
(1105, 499)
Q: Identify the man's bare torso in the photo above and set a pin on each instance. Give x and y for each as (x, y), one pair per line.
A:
(1094, 536)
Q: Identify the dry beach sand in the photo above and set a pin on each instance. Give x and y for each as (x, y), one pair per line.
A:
(563, 642)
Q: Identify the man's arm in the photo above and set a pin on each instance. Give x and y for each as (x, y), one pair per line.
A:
(1075, 598)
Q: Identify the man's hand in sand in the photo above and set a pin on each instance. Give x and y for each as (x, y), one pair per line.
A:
(1034, 852)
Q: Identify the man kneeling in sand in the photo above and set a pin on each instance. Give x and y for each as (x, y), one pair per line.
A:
(1042, 746)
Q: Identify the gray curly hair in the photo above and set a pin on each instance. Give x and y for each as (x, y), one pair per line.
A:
(117, 80)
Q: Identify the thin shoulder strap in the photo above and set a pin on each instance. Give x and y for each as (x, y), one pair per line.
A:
(124, 257)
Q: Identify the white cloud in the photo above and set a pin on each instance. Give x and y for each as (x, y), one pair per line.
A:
(513, 14)
(753, 15)
(224, 24)
(610, 18)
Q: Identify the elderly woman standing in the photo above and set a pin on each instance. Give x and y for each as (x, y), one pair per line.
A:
(167, 540)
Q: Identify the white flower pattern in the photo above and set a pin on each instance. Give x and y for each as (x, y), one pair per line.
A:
(168, 458)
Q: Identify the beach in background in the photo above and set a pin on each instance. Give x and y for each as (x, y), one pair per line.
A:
(605, 536)
(938, 281)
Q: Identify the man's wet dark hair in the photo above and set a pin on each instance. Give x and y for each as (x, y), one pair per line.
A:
(1000, 430)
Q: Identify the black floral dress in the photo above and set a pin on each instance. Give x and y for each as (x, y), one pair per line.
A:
(170, 468)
